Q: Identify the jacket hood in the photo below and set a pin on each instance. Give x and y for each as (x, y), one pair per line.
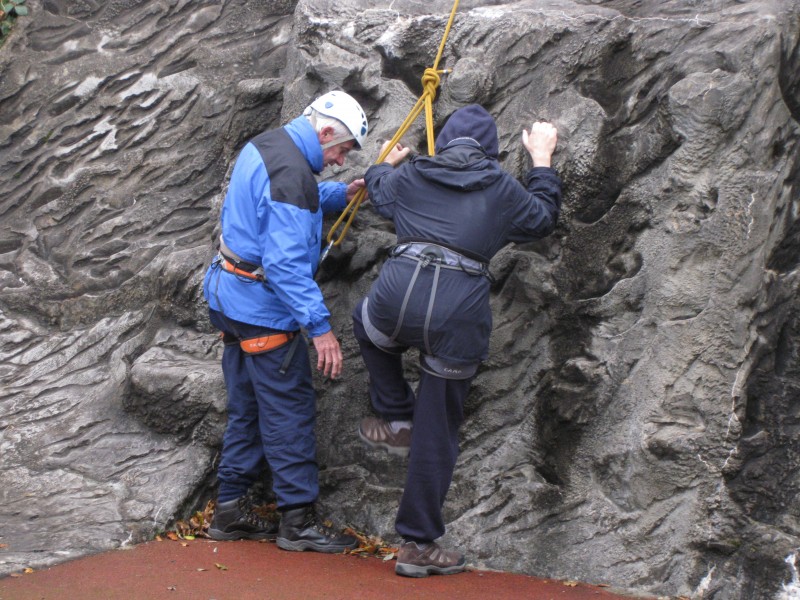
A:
(470, 122)
(462, 166)
(306, 139)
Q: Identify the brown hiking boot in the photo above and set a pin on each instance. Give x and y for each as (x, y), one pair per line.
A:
(420, 560)
(377, 433)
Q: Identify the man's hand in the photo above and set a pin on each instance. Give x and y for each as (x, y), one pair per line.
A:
(329, 355)
(396, 154)
(540, 142)
(353, 187)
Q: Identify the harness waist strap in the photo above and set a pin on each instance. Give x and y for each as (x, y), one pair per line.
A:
(265, 343)
(236, 269)
(434, 253)
(238, 265)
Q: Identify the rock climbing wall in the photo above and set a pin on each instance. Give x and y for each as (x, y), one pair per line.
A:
(635, 422)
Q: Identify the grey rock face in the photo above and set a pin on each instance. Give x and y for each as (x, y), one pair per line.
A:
(635, 423)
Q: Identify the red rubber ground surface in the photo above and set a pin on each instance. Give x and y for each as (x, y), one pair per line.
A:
(206, 570)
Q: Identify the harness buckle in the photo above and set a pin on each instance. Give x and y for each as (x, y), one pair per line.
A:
(431, 254)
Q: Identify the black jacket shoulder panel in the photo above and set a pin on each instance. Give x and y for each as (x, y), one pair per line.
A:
(291, 179)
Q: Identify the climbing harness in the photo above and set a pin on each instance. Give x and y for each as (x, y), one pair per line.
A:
(233, 263)
(426, 254)
(429, 363)
(230, 262)
(430, 83)
(441, 258)
(241, 269)
(446, 258)
(258, 345)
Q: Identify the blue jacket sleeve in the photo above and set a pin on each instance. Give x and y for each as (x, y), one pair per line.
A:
(288, 239)
(332, 196)
(535, 211)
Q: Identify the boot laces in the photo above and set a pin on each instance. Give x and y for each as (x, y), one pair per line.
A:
(250, 515)
(313, 522)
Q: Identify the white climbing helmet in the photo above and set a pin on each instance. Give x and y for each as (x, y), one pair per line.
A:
(344, 108)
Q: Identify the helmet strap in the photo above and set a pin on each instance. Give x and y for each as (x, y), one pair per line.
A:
(338, 140)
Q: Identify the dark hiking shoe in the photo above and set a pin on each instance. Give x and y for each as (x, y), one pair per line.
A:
(377, 433)
(300, 530)
(236, 520)
(420, 560)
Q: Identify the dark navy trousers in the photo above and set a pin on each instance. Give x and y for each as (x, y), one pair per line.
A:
(437, 410)
(270, 417)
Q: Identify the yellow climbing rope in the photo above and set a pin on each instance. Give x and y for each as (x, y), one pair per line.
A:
(430, 83)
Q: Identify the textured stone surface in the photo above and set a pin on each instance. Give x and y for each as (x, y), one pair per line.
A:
(636, 421)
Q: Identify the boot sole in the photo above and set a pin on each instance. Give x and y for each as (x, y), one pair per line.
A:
(401, 451)
(417, 571)
(223, 536)
(302, 545)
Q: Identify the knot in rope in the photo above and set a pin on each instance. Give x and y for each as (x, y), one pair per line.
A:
(430, 82)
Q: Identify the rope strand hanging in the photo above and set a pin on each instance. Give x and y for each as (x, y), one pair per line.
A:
(430, 83)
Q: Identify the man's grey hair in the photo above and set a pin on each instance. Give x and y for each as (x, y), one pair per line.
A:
(319, 122)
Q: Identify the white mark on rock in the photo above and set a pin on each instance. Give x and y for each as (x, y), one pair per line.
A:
(791, 590)
(705, 583)
(750, 212)
(706, 463)
(87, 87)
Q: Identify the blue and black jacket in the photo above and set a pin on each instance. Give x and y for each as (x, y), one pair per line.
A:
(272, 216)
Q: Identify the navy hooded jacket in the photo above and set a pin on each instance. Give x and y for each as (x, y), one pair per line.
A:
(461, 199)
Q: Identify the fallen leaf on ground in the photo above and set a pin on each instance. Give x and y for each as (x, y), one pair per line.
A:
(27, 570)
(221, 567)
(370, 546)
(571, 583)
(197, 525)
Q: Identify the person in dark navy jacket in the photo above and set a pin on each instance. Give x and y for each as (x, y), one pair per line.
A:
(261, 292)
(452, 213)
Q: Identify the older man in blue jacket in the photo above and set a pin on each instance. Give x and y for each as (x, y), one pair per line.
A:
(452, 213)
(261, 292)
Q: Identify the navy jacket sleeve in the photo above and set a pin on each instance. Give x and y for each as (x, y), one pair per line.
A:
(381, 188)
(535, 213)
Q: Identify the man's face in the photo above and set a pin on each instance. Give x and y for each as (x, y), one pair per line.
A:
(335, 155)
